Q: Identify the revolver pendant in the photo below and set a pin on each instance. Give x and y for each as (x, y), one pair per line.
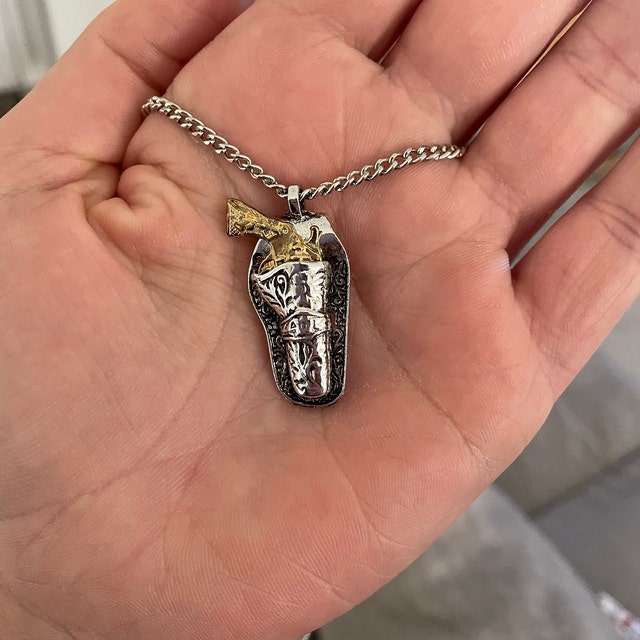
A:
(299, 286)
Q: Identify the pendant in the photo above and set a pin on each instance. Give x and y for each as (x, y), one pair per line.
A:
(299, 285)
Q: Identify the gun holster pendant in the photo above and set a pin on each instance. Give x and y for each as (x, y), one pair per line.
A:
(299, 285)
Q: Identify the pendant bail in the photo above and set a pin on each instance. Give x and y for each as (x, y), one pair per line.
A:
(296, 209)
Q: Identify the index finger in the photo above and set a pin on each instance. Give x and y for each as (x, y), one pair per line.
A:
(88, 105)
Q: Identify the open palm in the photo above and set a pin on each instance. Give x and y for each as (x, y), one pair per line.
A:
(154, 483)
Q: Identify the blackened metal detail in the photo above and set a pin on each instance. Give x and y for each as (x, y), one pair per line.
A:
(336, 271)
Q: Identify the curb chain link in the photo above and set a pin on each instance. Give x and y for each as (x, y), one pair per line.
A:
(231, 153)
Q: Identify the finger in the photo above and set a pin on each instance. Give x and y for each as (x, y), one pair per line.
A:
(89, 104)
(304, 124)
(371, 28)
(580, 279)
(460, 58)
(576, 107)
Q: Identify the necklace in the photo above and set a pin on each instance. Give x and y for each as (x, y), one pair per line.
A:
(299, 275)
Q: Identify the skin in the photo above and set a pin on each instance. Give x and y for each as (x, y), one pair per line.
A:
(154, 484)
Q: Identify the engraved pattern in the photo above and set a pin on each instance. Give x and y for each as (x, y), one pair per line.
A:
(298, 292)
(287, 245)
(337, 310)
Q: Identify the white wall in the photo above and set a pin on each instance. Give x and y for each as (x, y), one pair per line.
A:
(8, 75)
(68, 19)
(26, 51)
(34, 32)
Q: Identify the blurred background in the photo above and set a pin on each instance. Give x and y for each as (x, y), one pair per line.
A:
(577, 487)
(33, 33)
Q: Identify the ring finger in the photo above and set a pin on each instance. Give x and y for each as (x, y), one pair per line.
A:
(574, 109)
(477, 53)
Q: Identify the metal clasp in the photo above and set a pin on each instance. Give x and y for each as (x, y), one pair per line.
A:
(296, 208)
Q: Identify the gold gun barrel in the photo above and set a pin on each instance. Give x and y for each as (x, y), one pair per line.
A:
(287, 245)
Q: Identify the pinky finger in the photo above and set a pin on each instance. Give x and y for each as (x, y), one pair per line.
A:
(576, 284)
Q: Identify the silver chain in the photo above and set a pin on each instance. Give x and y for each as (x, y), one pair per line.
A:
(382, 167)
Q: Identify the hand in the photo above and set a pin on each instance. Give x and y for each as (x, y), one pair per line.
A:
(154, 483)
